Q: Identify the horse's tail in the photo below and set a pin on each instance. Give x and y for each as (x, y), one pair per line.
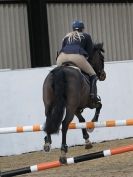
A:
(55, 115)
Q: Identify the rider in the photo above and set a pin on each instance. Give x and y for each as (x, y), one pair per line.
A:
(77, 47)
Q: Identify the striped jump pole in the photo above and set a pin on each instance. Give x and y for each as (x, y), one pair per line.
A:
(72, 160)
(89, 125)
(109, 123)
(21, 129)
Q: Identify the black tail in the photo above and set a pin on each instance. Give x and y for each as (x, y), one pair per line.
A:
(55, 113)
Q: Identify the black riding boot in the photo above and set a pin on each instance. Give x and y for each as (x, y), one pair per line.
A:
(93, 89)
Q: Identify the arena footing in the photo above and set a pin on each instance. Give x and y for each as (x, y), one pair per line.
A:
(72, 160)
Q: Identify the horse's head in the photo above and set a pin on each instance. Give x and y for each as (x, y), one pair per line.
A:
(97, 61)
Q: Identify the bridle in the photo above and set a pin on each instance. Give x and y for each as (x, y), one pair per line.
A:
(100, 73)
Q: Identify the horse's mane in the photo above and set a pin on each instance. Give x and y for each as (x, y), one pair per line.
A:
(97, 47)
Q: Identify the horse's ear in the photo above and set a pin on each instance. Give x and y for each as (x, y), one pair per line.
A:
(101, 47)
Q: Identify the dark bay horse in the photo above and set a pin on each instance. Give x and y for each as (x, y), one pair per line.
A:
(65, 94)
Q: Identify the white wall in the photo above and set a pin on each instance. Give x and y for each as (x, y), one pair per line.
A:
(21, 104)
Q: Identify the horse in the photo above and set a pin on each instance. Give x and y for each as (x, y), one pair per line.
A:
(65, 94)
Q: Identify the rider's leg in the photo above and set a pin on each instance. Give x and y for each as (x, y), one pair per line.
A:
(93, 90)
(62, 57)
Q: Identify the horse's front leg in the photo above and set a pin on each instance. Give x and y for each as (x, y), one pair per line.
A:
(88, 144)
(96, 116)
(47, 143)
(97, 112)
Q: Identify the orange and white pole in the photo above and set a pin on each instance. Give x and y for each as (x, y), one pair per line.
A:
(21, 129)
(88, 125)
(109, 123)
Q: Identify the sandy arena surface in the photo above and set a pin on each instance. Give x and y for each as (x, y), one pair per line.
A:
(114, 166)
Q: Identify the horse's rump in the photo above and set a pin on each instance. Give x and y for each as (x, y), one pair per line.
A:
(63, 88)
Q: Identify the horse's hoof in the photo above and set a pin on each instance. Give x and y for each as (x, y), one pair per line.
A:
(47, 147)
(88, 144)
(63, 160)
(90, 130)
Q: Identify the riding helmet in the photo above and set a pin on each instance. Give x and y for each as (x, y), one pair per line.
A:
(78, 25)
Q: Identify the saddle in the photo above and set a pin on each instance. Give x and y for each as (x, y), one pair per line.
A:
(73, 65)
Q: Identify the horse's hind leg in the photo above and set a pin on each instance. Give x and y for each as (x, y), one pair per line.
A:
(88, 144)
(47, 138)
(65, 124)
(48, 142)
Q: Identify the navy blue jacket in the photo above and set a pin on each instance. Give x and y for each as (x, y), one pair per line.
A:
(83, 47)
